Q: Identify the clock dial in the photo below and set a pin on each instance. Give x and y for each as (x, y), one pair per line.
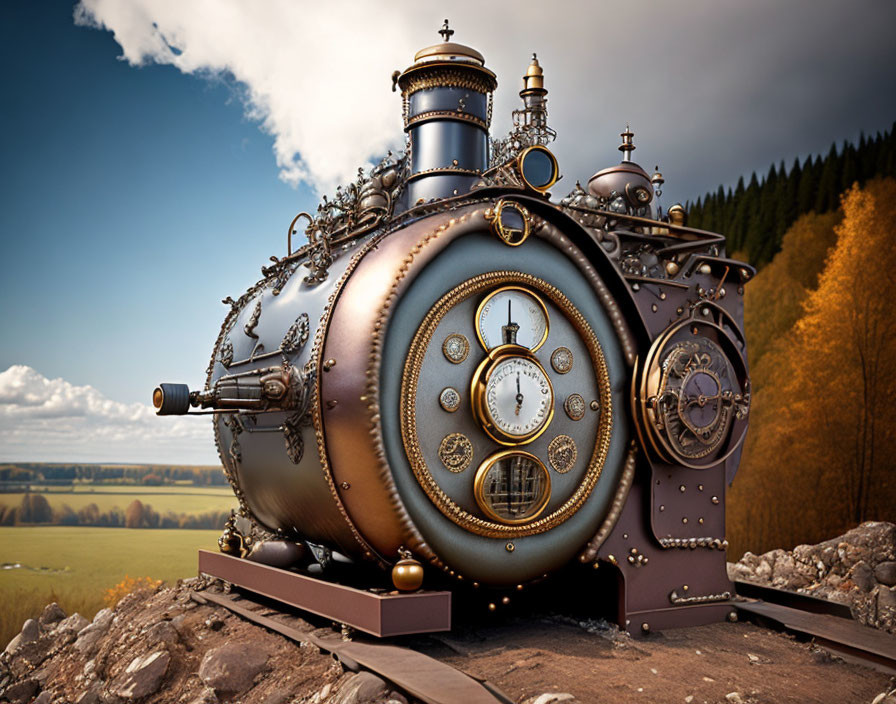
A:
(512, 316)
(518, 399)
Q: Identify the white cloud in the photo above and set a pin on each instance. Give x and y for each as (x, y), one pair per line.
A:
(53, 420)
(712, 90)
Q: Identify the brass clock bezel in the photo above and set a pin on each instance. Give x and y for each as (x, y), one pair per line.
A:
(478, 387)
(531, 294)
(479, 480)
(410, 378)
(646, 378)
(522, 157)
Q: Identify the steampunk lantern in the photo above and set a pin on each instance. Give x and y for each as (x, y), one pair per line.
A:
(458, 372)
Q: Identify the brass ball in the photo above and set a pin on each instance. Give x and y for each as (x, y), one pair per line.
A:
(492, 607)
(407, 575)
(230, 543)
(505, 600)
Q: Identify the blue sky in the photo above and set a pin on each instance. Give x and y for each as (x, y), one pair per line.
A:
(136, 194)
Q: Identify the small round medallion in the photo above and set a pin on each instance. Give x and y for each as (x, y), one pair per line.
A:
(562, 453)
(449, 399)
(456, 452)
(574, 405)
(561, 360)
(456, 348)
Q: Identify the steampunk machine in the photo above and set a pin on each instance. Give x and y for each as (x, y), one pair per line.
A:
(471, 387)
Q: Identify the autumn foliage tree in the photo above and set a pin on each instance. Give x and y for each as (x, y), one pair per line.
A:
(819, 453)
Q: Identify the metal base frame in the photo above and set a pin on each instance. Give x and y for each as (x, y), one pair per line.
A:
(380, 615)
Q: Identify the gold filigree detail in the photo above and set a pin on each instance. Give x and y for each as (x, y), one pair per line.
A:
(456, 452)
(561, 360)
(411, 376)
(574, 405)
(456, 347)
(562, 453)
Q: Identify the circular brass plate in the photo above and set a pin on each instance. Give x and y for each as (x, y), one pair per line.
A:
(561, 360)
(456, 347)
(449, 399)
(456, 452)
(411, 376)
(574, 405)
(562, 453)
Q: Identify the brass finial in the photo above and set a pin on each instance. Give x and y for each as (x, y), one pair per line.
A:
(627, 146)
(534, 78)
(446, 31)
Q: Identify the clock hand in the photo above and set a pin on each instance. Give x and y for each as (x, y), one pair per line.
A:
(519, 395)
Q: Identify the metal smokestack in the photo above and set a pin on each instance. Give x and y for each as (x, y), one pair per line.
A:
(447, 98)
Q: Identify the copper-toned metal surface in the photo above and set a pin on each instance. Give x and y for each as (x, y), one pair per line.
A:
(378, 614)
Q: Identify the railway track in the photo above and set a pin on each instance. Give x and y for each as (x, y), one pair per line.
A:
(432, 681)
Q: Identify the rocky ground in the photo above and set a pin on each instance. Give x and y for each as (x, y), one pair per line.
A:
(857, 569)
(163, 647)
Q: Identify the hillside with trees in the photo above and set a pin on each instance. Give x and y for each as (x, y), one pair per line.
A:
(754, 215)
(822, 333)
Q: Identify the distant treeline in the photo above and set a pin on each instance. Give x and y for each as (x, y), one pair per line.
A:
(148, 475)
(34, 509)
(755, 216)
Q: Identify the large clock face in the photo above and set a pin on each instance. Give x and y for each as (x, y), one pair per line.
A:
(507, 438)
(518, 397)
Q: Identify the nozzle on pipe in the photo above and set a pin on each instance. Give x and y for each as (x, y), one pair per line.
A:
(171, 399)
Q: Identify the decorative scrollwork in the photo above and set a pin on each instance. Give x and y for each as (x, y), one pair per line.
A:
(226, 352)
(296, 336)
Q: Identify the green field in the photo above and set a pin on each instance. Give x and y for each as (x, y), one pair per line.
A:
(177, 499)
(75, 565)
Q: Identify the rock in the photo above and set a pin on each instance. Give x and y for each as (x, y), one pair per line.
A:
(886, 599)
(232, 667)
(207, 697)
(75, 623)
(551, 698)
(43, 698)
(142, 677)
(763, 570)
(734, 697)
(396, 698)
(863, 576)
(885, 573)
(162, 632)
(30, 632)
(103, 618)
(89, 639)
(52, 614)
(360, 688)
(22, 691)
(276, 698)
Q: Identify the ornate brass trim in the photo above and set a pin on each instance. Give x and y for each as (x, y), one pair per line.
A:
(519, 167)
(508, 235)
(411, 376)
(453, 75)
(445, 115)
(531, 294)
(480, 480)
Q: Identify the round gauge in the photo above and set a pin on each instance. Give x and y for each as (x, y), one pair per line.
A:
(513, 396)
(694, 395)
(512, 487)
(512, 315)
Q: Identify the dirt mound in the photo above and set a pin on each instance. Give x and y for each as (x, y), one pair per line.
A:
(857, 568)
(163, 647)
